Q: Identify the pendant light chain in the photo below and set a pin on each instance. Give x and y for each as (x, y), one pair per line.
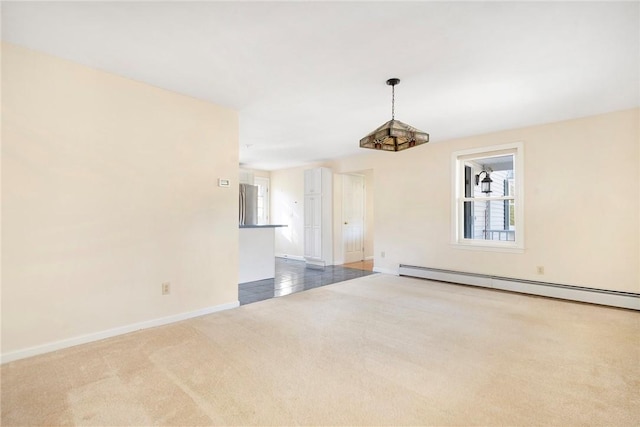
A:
(393, 102)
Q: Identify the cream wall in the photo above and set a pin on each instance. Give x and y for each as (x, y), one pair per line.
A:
(109, 189)
(581, 205)
(582, 211)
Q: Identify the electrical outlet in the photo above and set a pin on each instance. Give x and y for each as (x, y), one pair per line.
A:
(382, 254)
(540, 269)
(166, 288)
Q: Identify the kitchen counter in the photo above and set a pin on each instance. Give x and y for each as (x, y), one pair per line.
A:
(257, 252)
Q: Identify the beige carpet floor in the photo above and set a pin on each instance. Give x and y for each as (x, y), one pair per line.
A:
(379, 350)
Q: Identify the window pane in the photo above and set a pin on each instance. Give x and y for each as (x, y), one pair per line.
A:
(499, 170)
(490, 220)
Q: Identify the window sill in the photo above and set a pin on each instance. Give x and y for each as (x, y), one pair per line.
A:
(487, 248)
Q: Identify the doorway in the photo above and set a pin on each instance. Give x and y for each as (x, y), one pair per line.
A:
(353, 217)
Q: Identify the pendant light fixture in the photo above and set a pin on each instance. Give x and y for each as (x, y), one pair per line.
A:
(394, 135)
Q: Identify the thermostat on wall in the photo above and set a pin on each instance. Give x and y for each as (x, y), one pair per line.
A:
(224, 182)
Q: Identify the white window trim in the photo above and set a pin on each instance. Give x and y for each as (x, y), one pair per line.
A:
(457, 189)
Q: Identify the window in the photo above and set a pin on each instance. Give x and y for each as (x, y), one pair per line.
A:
(487, 203)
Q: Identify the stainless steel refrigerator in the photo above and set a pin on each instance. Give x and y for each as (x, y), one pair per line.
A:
(248, 204)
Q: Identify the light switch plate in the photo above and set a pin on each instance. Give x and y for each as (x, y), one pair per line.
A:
(224, 183)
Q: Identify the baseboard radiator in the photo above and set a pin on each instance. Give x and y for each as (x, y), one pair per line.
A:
(628, 300)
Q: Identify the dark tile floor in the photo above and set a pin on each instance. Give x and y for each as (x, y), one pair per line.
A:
(293, 276)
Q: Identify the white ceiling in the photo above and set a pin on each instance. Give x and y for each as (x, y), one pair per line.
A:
(308, 78)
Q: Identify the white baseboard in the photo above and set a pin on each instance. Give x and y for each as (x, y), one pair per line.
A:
(554, 290)
(84, 339)
(369, 258)
(294, 257)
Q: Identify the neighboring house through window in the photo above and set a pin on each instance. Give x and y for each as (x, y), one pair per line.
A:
(488, 202)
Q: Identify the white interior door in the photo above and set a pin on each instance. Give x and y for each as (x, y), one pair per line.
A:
(353, 217)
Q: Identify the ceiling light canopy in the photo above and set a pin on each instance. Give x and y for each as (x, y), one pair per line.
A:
(394, 135)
